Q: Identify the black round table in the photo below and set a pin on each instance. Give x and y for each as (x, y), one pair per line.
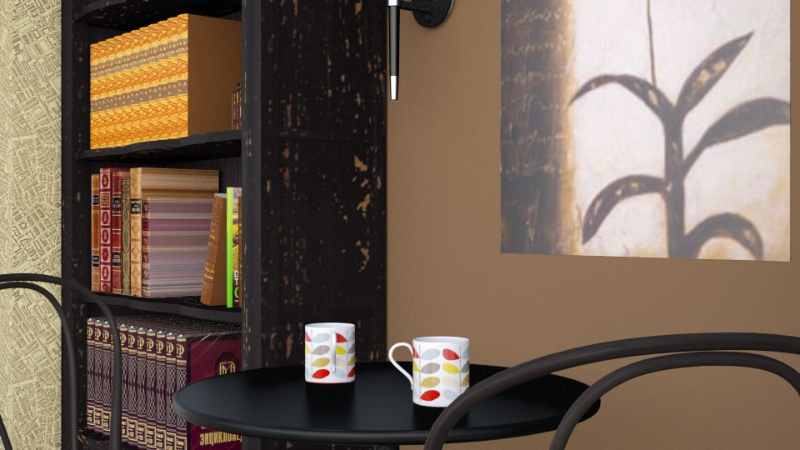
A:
(277, 403)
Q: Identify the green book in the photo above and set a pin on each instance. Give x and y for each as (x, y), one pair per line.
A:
(232, 258)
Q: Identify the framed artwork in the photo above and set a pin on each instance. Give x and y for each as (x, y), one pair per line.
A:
(646, 128)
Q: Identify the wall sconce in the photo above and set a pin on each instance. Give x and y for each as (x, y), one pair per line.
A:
(428, 13)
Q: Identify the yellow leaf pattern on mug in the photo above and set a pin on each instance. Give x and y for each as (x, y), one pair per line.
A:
(416, 367)
(340, 350)
(430, 382)
(465, 382)
(308, 349)
(449, 368)
(321, 362)
(451, 382)
(352, 361)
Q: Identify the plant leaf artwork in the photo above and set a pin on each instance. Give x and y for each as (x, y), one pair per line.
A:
(666, 137)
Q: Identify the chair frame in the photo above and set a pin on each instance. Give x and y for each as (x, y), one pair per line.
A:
(680, 343)
(26, 281)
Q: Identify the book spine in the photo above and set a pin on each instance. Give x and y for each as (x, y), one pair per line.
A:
(136, 232)
(129, 392)
(140, 410)
(105, 401)
(150, 395)
(145, 247)
(90, 372)
(98, 374)
(105, 230)
(210, 270)
(181, 379)
(126, 237)
(123, 341)
(238, 278)
(96, 232)
(170, 380)
(116, 229)
(232, 246)
(159, 388)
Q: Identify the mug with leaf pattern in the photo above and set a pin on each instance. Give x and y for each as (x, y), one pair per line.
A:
(440, 369)
(330, 350)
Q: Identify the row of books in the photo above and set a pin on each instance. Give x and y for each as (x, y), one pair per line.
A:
(160, 355)
(155, 233)
(144, 84)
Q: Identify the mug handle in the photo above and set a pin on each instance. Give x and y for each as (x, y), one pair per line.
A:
(397, 366)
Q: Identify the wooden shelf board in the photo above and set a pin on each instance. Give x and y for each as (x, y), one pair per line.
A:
(184, 306)
(219, 144)
(88, 440)
(129, 15)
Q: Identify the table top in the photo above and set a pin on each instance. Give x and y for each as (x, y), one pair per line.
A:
(277, 403)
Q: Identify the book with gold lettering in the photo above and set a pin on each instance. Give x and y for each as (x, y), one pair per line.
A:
(117, 177)
(96, 232)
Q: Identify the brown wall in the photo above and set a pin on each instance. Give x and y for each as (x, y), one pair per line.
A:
(447, 275)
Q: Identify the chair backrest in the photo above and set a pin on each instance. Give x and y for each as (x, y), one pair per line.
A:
(26, 281)
(682, 343)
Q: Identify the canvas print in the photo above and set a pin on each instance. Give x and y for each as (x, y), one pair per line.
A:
(646, 128)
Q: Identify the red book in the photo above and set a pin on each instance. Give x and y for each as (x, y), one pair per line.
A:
(201, 355)
(96, 232)
(117, 175)
(105, 230)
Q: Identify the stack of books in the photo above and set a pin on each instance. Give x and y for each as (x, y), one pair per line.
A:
(150, 230)
(168, 80)
(160, 355)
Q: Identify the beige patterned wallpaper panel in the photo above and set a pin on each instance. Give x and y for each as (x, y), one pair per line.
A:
(30, 190)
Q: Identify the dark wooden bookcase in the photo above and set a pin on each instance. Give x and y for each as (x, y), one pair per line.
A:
(311, 159)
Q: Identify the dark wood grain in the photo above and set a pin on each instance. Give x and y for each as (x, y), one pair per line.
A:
(219, 144)
(132, 14)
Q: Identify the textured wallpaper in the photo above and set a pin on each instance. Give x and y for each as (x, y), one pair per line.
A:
(30, 190)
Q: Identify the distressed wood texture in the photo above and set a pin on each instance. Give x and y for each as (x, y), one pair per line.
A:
(534, 45)
(315, 144)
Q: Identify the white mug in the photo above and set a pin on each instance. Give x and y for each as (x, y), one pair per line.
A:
(330, 350)
(440, 369)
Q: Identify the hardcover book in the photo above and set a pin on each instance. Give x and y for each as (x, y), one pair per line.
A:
(105, 230)
(175, 235)
(126, 237)
(232, 225)
(96, 232)
(162, 183)
(140, 82)
(117, 177)
(214, 274)
(90, 375)
(236, 108)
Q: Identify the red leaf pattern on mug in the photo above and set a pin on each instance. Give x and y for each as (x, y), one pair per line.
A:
(416, 355)
(321, 374)
(308, 338)
(340, 339)
(450, 355)
(352, 373)
(430, 396)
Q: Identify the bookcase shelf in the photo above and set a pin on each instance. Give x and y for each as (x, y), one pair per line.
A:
(311, 161)
(129, 15)
(200, 147)
(184, 306)
(91, 441)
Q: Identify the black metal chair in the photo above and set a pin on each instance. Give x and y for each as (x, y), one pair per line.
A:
(26, 281)
(691, 350)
